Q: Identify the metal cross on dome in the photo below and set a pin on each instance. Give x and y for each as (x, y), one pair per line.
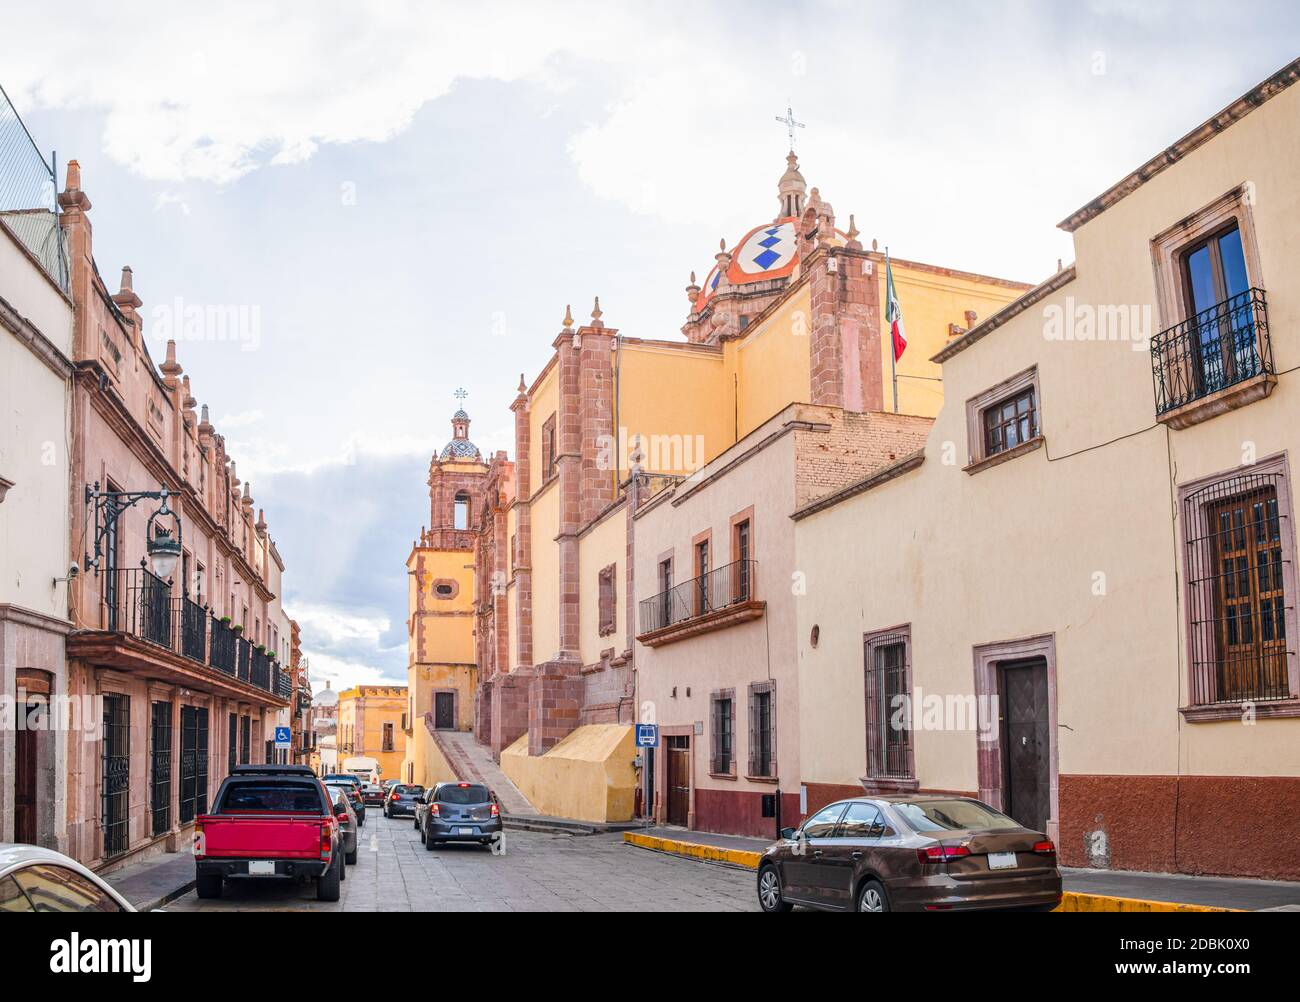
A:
(790, 124)
(460, 394)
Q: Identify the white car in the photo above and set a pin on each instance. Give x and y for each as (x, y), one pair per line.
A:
(33, 879)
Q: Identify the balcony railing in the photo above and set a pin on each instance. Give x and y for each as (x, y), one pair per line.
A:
(141, 604)
(720, 589)
(1220, 347)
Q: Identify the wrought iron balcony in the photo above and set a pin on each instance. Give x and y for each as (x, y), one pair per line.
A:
(721, 589)
(140, 604)
(1221, 347)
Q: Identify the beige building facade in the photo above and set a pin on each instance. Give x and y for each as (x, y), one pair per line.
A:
(1085, 582)
(370, 727)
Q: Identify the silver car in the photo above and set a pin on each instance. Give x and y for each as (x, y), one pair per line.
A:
(33, 879)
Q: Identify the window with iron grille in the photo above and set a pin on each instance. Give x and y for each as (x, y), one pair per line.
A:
(722, 751)
(245, 740)
(194, 762)
(1010, 422)
(388, 736)
(232, 745)
(160, 782)
(115, 775)
(762, 729)
(888, 693)
(742, 561)
(1238, 538)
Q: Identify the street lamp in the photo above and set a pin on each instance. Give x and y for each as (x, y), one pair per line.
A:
(162, 545)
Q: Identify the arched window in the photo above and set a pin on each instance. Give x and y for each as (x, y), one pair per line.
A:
(462, 510)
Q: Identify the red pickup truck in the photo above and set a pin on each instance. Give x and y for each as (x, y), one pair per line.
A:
(270, 821)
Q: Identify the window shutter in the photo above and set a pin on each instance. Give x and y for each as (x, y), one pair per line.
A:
(714, 736)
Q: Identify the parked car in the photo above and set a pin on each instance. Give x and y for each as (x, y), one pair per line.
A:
(353, 790)
(347, 823)
(388, 784)
(457, 812)
(402, 799)
(372, 794)
(909, 853)
(270, 821)
(33, 879)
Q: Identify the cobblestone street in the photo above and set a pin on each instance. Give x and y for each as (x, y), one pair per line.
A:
(538, 872)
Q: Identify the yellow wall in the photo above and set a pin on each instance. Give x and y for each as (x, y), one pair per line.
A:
(546, 574)
(542, 403)
(671, 395)
(363, 711)
(773, 362)
(606, 544)
(588, 775)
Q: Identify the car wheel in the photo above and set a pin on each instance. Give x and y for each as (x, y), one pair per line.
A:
(429, 843)
(208, 885)
(351, 858)
(421, 831)
(770, 898)
(871, 897)
(327, 884)
(416, 823)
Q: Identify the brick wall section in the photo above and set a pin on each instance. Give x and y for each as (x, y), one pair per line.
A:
(569, 462)
(554, 709)
(845, 330)
(523, 578)
(607, 696)
(855, 446)
(596, 419)
(509, 710)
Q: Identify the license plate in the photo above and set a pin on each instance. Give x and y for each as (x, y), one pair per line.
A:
(465, 831)
(1002, 860)
(261, 867)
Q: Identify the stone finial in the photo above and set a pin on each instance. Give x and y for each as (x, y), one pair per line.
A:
(188, 400)
(205, 425)
(74, 176)
(853, 243)
(568, 320)
(171, 368)
(125, 296)
(523, 386)
(261, 522)
(692, 290)
(596, 314)
(72, 197)
(874, 245)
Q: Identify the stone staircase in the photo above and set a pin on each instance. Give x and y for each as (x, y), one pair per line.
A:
(473, 762)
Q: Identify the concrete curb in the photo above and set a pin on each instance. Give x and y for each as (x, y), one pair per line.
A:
(1071, 901)
(171, 895)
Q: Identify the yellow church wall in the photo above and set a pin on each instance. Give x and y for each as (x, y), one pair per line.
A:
(545, 563)
(543, 403)
(772, 362)
(587, 776)
(604, 544)
(363, 712)
(930, 301)
(426, 764)
(678, 401)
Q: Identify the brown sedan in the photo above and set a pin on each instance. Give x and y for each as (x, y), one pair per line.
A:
(909, 853)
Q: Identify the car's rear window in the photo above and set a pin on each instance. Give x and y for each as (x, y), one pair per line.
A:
(472, 794)
(260, 795)
(409, 791)
(952, 815)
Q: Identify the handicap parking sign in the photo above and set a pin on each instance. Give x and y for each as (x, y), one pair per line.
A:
(282, 738)
(647, 735)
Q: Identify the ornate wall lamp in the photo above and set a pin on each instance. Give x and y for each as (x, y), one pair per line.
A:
(162, 545)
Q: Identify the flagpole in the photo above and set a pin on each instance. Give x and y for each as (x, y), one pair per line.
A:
(893, 362)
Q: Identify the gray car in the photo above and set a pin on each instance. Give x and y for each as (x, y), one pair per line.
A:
(347, 822)
(458, 812)
(33, 879)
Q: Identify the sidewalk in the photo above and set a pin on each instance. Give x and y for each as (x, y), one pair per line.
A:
(152, 882)
(1086, 890)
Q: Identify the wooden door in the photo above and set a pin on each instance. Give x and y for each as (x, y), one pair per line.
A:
(444, 711)
(679, 780)
(25, 781)
(1026, 743)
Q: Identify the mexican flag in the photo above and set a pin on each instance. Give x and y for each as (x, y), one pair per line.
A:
(894, 313)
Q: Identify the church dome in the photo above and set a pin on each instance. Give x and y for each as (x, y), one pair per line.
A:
(460, 447)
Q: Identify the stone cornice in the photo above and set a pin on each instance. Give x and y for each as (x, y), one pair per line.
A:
(37, 343)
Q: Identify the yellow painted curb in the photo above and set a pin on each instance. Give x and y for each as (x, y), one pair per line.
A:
(693, 850)
(1071, 901)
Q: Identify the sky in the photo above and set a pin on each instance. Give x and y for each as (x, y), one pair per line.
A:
(399, 199)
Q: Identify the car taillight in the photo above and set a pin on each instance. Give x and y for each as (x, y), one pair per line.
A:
(393, 797)
(326, 842)
(434, 809)
(199, 841)
(496, 811)
(463, 786)
(1045, 847)
(941, 853)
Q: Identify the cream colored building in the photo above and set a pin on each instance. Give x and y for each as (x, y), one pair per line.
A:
(1098, 532)
(36, 317)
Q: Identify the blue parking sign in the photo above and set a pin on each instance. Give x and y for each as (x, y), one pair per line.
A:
(283, 738)
(647, 735)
